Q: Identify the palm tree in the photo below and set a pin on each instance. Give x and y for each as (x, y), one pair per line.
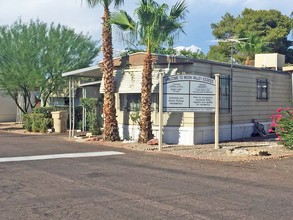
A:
(252, 46)
(155, 26)
(111, 132)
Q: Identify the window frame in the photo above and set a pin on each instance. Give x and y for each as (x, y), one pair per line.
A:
(225, 106)
(262, 89)
(125, 100)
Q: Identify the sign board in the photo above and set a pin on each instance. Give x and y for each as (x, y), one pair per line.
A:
(188, 93)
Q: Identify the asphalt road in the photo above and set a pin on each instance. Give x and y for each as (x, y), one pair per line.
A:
(136, 185)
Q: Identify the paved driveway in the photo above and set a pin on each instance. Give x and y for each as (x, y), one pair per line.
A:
(136, 185)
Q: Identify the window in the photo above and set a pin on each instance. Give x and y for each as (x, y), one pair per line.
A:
(59, 101)
(262, 89)
(131, 101)
(225, 98)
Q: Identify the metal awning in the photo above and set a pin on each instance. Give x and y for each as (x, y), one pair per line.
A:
(89, 72)
(93, 83)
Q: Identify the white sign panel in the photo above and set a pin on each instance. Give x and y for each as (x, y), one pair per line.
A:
(176, 100)
(188, 93)
(178, 87)
(201, 88)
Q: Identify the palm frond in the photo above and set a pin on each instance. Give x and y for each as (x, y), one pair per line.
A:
(157, 25)
(123, 21)
(92, 3)
(127, 28)
(104, 3)
(179, 10)
(118, 3)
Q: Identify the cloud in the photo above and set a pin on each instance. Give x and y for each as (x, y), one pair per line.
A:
(192, 48)
(66, 12)
(76, 14)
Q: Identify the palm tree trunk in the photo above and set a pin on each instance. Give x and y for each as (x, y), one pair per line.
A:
(111, 132)
(145, 133)
(247, 61)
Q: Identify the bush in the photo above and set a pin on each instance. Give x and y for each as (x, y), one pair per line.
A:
(27, 122)
(36, 122)
(282, 124)
(78, 117)
(94, 118)
(46, 111)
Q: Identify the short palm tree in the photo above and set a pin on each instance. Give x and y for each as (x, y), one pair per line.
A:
(111, 132)
(156, 25)
(252, 46)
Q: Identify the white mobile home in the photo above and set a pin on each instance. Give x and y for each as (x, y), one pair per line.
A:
(8, 109)
(246, 93)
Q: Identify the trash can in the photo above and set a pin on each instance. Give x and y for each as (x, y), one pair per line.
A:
(60, 121)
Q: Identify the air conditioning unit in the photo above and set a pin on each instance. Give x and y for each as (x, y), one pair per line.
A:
(270, 60)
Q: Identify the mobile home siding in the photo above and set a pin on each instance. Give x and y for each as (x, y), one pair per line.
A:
(245, 105)
(8, 108)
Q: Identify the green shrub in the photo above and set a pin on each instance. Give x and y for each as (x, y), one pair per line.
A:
(36, 122)
(94, 118)
(46, 111)
(78, 117)
(135, 116)
(282, 124)
(27, 122)
(45, 124)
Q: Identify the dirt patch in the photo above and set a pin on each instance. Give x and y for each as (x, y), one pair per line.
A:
(11, 126)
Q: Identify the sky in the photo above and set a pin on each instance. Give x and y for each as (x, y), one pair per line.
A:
(76, 14)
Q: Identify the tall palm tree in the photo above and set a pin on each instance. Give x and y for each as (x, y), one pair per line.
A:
(111, 132)
(156, 25)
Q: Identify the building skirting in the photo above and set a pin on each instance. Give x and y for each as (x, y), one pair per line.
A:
(192, 135)
(7, 117)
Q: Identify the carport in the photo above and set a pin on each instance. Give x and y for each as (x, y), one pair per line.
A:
(90, 76)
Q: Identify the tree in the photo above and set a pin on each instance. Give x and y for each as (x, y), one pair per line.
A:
(228, 24)
(269, 26)
(220, 52)
(111, 131)
(290, 49)
(155, 27)
(33, 55)
(249, 48)
(168, 51)
(291, 16)
(190, 54)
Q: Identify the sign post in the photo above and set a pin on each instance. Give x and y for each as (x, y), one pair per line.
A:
(217, 111)
(160, 111)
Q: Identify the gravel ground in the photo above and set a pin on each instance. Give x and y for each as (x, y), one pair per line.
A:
(247, 149)
(240, 150)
